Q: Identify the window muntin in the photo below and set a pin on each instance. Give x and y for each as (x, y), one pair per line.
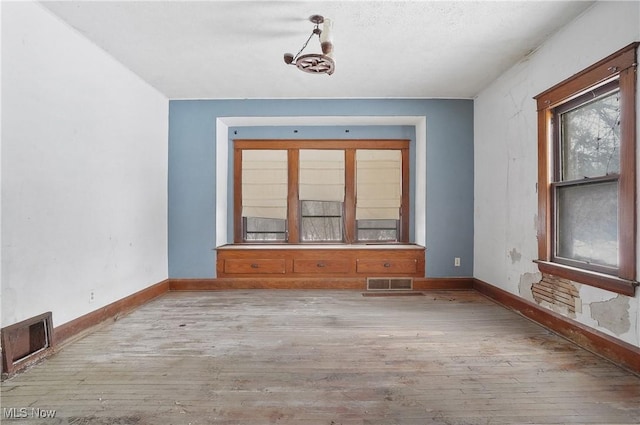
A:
(321, 201)
(569, 186)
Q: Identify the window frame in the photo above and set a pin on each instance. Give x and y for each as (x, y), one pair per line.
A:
(293, 205)
(620, 67)
(558, 182)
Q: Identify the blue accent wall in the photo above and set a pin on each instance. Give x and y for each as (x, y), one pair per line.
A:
(449, 168)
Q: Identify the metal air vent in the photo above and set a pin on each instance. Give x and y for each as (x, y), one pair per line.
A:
(389, 284)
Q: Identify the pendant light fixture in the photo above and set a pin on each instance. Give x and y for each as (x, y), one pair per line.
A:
(316, 63)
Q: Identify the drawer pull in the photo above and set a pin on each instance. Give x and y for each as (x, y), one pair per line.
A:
(254, 266)
(320, 264)
(387, 265)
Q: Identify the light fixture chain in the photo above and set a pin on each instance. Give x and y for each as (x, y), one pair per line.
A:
(305, 43)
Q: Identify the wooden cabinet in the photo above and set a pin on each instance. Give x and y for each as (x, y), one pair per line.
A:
(316, 261)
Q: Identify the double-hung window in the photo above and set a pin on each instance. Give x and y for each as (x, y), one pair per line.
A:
(379, 194)
(586, 180)
(586, 175)
(321, 191)
(264, 194)
(321, 194)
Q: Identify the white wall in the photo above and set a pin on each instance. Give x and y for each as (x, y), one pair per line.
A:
(506, 159)
(84, 172)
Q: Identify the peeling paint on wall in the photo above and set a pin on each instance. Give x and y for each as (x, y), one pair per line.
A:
(526, 283)
(515, 256)
(612, 314)
(560, 295)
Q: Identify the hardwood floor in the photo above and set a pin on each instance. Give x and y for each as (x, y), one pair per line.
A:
(322, 357)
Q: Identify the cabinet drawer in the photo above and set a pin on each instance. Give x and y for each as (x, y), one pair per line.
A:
(254, 266)
(383, 266)
(321, 266)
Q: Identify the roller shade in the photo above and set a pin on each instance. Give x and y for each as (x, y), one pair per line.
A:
(321, 175)
(378, 184)
(264, 183)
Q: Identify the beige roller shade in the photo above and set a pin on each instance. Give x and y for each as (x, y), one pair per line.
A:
(378, 184)
(321, 175)
(264, 183)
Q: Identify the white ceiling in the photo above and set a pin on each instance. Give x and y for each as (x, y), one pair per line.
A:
(383, 49)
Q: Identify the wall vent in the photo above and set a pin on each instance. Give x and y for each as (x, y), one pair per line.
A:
(389, 284)
(26, 342)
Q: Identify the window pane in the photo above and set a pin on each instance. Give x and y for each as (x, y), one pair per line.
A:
(321, 221)
(587, 223)
(265, 229)
(321, 208)
(591, 139)
(321, 229)
(377, 230)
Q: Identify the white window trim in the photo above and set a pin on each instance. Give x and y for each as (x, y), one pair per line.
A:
(222, 160)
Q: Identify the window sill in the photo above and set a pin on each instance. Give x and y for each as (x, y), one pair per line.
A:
(585, 277)
(329, 246)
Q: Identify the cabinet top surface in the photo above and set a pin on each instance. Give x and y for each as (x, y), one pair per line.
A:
(319, 246)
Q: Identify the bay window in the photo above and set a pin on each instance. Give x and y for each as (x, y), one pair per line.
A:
(321, 191)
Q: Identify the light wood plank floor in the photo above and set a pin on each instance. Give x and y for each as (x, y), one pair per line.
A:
(323, 357)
